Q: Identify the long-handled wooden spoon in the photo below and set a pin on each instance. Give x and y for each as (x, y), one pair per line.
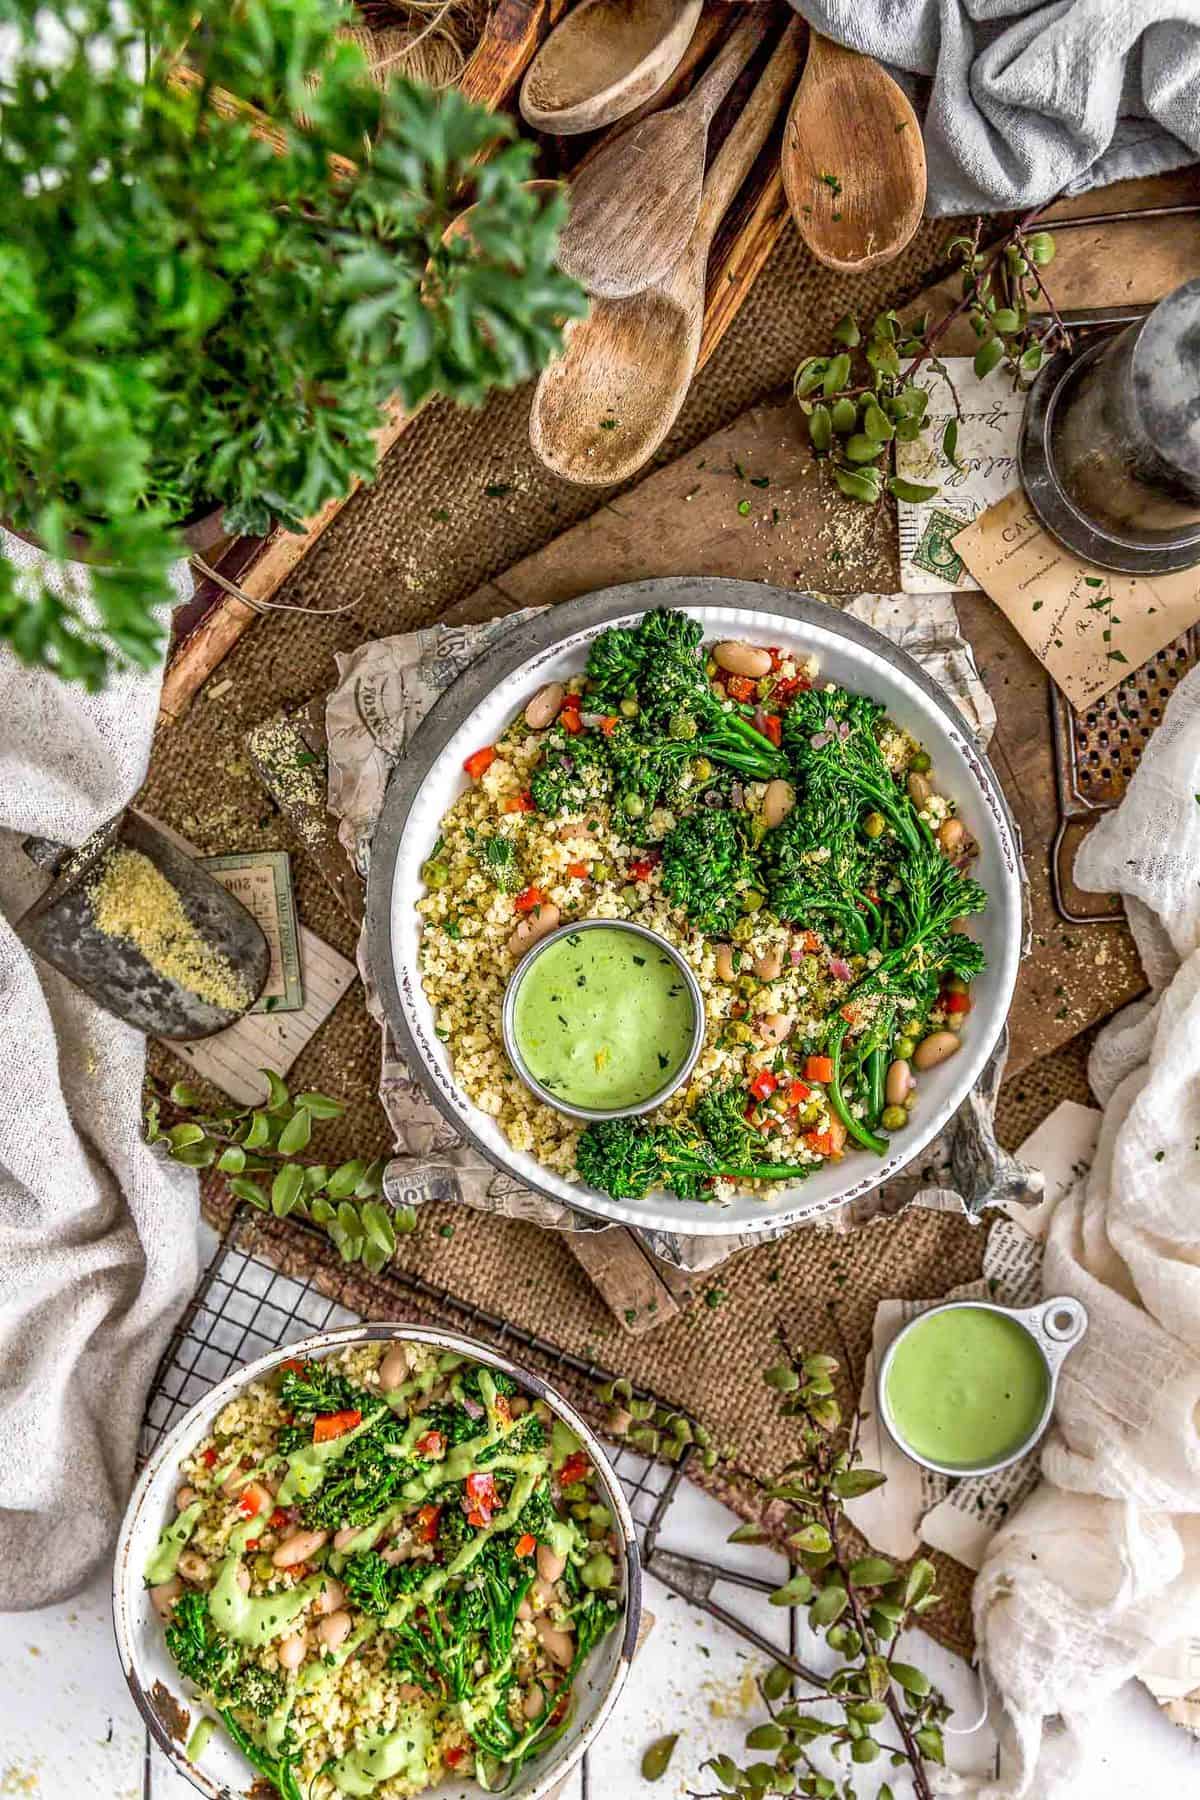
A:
(634, 207)
(605, 58)
(603, 409)
(853, 160)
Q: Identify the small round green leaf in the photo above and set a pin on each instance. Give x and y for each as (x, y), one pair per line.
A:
(286, 1189)
(249, 1190)
(859, 484)
(871, 1571)
(844, 415)
(345, 1179)
(180, 1136)
(296, 1133)
(988, 356)
(765, 1737)
(820, 429)
(860, 448)
(277, 1092)
(259, 1132)
(776, 1682)
(321, 1106)
(910, 490)
(656, 1759)
(852, 1482)
(809, 376)
(232, 1160)
(913, 1681)
(1041, 248)
(829, 1605)
(377, 1222)
(783, 1378)
(846, 331)
(836, 375)
(866, 1750)
(796, 1592)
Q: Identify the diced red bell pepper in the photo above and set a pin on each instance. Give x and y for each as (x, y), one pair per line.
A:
(740, 687)
(335, 1425)
(293, 1366)
(250, 1501)
(578, 871)
(763, 1085)
(454, 1755)
(427, 1524)
(569, 717)
(811, 942)
(277, 1519)
(818, 1068)
(797, 1092)
(431, 1444)
(775, 654)
(526, 1544)
(609, 723)
(773, 728)
(252, 1543)
(209, 1457)
(850, 1014)
(574, 1469)
(528, 899)
(517, 803)
(481, 1498)
(956, 1003)
(480, 761)
(819, 1142)
(641, 868)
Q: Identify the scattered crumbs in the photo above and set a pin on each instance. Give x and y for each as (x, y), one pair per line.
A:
(734, 1699)
(133, 900)
(18, 1780)
(294, 774)
(221, 687)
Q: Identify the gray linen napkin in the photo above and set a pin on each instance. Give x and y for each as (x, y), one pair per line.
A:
(1029, 99)
(97, 1231)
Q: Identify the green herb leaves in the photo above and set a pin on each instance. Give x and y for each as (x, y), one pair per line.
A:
(191, 317)
(248, 1143)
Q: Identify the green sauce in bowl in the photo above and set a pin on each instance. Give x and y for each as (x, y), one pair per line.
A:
(603, 1018)
(966, 1387)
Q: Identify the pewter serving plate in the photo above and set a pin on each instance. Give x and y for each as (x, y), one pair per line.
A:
(165, 1700)
(554, 645)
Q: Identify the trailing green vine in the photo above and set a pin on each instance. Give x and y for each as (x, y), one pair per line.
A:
(248, 1142)
(862, 398)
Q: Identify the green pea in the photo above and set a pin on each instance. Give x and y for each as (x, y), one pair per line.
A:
(903, 1048)
(778, 1102)
(752, 900)
(874, 824)
(811, 1113)
(629, 709)
(894, 1118)
(435, 874)
(743, 931)
(601, 871)
(701, 768)
(264, 1568)
(629, 894)
(682, 727)
(598, 1571)
(921, 762)
(633, 805)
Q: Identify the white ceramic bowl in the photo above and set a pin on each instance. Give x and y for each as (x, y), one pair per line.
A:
(155, 1682)
(553, 645)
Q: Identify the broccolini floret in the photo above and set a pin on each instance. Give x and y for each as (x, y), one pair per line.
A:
(707, 867)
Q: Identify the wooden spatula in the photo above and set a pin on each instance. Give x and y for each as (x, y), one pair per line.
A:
(853, 160)
(634, 207)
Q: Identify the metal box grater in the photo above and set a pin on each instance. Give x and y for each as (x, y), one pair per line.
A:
(1095, 754)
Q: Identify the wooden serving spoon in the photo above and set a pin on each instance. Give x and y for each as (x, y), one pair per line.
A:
(603, 59)
(604, 408)
(853, 160)
(634, 207)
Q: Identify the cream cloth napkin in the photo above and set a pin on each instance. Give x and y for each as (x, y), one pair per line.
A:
(97, 1231)
(1101, 1566)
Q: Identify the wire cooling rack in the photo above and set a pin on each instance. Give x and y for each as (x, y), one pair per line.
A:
(271, 1283)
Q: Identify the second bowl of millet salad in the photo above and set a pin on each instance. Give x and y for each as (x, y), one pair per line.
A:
(380, 1563)
(791, 808)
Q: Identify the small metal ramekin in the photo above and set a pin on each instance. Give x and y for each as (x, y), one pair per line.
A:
(1055, 1326)
(614, 1112)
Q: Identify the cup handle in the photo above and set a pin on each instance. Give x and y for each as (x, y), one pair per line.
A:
(1059, 1324)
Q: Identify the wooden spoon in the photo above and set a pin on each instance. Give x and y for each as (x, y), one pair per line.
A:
(634, 207)
(604, 408)
(605, 58)
(853, 160)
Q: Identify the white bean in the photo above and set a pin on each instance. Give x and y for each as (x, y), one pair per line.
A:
(525, 1611)
(576, 831)
(518, 1406)
(233, 1484)
(534, 926)
(937, 1048)
(164, 1596)
(951, 834)
(920, 791)
(242, 1578)
(542, 1595)
(725, 968)
(769, 965)
(772, 1028)
(335, 1629)
(192, 1566)
(394, 1368)
(545, 706)
(899, 1083)
(550, 1564)
(778, 801)
(534, 1704)
(737, 658)
(397, 1553)
(292, 1651)
(331, 1598)
(185, 1497)
(299, 1547)
(558, 1645)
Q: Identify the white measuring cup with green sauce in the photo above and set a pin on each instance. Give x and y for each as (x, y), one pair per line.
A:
(968, 1387)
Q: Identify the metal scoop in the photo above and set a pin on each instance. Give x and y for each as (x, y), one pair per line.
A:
(144, 930)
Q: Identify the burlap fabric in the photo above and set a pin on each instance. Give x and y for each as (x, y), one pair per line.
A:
(459, 500)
